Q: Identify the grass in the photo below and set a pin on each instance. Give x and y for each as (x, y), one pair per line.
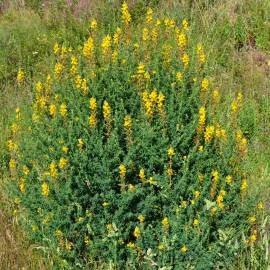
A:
(237, 40)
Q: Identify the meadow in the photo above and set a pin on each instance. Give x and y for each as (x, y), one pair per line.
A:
(134, 135)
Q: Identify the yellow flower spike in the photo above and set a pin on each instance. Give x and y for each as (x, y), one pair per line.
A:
(25, 170)
(182, 41)
(161, 247)
(170, 152)
(185, 25)
(20, 76)
(80, 143)
(141, 219)
(205, 85)
(196, 222)
(137, 232)
(179, 76)
(92, 120)
(52, 110)
(165, 222)
(131, 188)
(106, 44)
(63, 163)
(105, 204)
(252, 219)
(149, 15)
(22, 185)
(56, 48)
(208, 134)
(58, 69)
(202, 120)
(142, 175)
(200, 54)
(229, 179)
(183, 249)
(65, 149)
(45, 189)
(260, 206)
(244, 186)
(185, 60)
(145, 34)
(197, 194)
(170, 171)
(92, 104)
(12, 164)
(93, 24)
(127, 122)
(122, 170)
(88, 48)
(39, 87)
(53, 169)
(215, 96)
(200, 148)
(106, 111)
(63, 110)
(126, 17)
(184, 204)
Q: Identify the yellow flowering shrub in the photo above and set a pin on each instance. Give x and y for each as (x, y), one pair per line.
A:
(124, 156)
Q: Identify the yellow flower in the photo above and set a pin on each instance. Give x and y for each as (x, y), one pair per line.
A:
(88, 48)
(196, 222)
(126, 17)
(215, 96)
(20, 76)
(65, 149)
(63, 163)
(56, 48)
(145, 34)
(92, 104)
(142, 174)
(93, 24)
(170, 171)
(184, 249)
(161, 247)
(53, 169)
(86, 240)
(197, 194)
(131, 188)
(170, 152)
(200, 148)
(165, 222)
(58, 68)
(131, 245)
(12, 163)
(137, 232)
(229, 179)
(149, 15)
(106, 44)
(185, 60)
(45, 189)
(25, 170)
(260, 206)
(185, 25)
(127, 122)
(92, 120)
(105, 204)
(181, 41)
(252, 219)
(179, 76)
(208, 134)
(63, 109)
(244, 185)
(39, 87)
(141, 218)
(106, 111)
(22, 185)
(80, 143)
(122, 170)
(205, 85)
(52, 110)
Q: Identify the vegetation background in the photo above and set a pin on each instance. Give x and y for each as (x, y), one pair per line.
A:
(236, 36)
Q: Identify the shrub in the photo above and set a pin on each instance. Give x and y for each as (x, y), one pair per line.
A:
(123, 159)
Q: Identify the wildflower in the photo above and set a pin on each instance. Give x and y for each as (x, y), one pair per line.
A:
(253, 236)
(141, 218)
(149, 15)
(213, 210)
(131, 188)
(63, 163)
(22, 185)
(86, 240)
(161, 246)
(229, 179)
(179, 76)
(181, 41)
(25, 170)
(39, 87)
(127, 122)
(105, 204)
(202, 119)
(244, 185)
(137, 232)
(122, 170)
(183, 204)
(204, 85)
(170, 152)
(58, 68)
(45, 189)
(185, 25)
(260, 206)
(215, 96)
(145, 34)
(11, 145)
(200, 148)
(252, 219)
(63, 109)
(200, 54)
(80, 143)
(53, 169)
(52, 110)
(12, 163)
(106, 44)
(106, 111)
(20, 76)
(126, 17)
(165, 222)
(131, 245)
(74, 65)
(84, 87)
(65, 149)
(93, 24)
(185, 60)
(92, 104)
(183, 249)
(68, 245)
(170, 171)
(116, 35)
(195, 222)
(14, 128)
(92, 120)
(56, 48)
(208, 134)
(88, 48)
(141, 174)
(197, 194)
